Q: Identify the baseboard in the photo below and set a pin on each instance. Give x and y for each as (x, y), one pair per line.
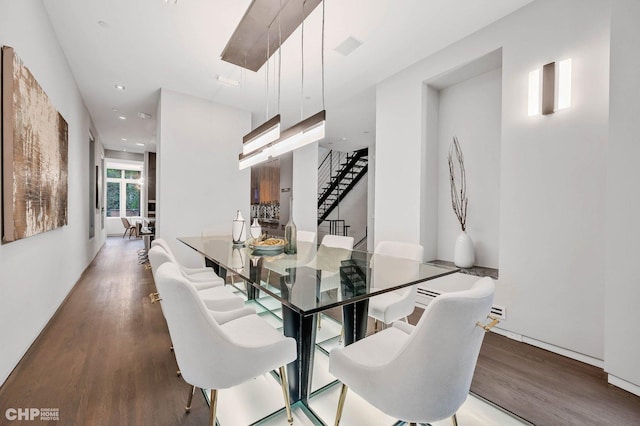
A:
(551, 348)
(623, 384)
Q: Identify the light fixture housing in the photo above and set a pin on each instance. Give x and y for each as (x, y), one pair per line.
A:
(303, 133)
(550, 89)
(227, 81)
(119, 87)
(261, 135)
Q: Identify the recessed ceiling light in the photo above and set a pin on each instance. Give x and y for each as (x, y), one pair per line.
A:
(170, 1)
(123, 139)
(348, 45)
(227, 81)
(344, 139)
(125, 149)
(122, 117)
(120, 87)
(103, 24)
(139, 144)
(114, 109)
(144, 115)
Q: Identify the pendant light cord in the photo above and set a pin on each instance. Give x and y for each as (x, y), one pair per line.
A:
(279, 54)
(322, 53)
(267, 71)
(302, 60)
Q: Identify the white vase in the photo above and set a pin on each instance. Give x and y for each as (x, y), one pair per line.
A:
(463, 255)
(238, 230)
(256, 229)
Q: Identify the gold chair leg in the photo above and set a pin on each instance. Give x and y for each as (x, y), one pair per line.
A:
(285, 394)
(212, 408)
(191, 392)
(343, 395)
(454, 419)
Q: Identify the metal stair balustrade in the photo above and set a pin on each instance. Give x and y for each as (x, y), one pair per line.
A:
(335, 186)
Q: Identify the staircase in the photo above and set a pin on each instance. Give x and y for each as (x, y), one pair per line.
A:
(338, 174)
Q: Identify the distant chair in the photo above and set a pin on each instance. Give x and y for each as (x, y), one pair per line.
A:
(394, 305)
(422, 373)
(128, 227)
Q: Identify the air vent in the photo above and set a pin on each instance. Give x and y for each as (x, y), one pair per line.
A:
(496, 310)
(499, 311)
(347, 46)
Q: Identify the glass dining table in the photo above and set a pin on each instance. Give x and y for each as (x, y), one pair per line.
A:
(313, 280)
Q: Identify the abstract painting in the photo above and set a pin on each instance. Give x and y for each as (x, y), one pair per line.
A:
(34, 155)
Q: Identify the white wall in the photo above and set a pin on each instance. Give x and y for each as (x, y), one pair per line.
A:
(199, 185)
(37, 273)
(305, 187)
(622, 296)
(471, 110)
(552, 177)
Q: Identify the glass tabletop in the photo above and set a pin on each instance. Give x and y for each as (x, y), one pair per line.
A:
(317, 277)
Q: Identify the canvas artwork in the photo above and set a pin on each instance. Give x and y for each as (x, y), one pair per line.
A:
(34, 155)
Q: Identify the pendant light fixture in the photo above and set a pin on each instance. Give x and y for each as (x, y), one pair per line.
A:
(269, 131)
(306, 131)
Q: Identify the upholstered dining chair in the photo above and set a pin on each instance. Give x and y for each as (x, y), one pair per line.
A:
(422, 373)
(214, 354)
(204, 274)
(394, 305)
(128, 227)
(332, 251)
(214, 294)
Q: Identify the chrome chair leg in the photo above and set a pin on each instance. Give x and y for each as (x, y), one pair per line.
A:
(191, 392)
(343, 395)
(285, 394)
(212, 408)
(178, 373)
(454, 419)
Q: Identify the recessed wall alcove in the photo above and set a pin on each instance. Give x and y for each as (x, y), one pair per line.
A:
(465, 102)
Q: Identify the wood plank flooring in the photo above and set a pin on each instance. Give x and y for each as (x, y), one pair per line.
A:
(104, 359)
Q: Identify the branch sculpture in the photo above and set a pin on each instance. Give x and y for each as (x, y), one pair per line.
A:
(458, 197)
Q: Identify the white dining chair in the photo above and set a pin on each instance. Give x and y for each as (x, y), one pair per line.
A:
(215, 355)
(392, 306)
(214, 294)
(307, 236)
(204, 274)
(422, 373)
(332, 251)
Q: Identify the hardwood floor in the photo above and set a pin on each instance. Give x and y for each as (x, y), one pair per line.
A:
(104, 359)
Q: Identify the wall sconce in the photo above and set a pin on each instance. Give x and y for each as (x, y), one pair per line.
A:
(552, 92)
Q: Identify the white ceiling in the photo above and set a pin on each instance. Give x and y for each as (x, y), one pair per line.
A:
(146, 45)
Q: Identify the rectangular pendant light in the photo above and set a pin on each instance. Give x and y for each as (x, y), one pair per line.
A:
(261, 135)
(305, 132)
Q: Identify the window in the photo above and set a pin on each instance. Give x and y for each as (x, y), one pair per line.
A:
(113, 199)
(123, 192)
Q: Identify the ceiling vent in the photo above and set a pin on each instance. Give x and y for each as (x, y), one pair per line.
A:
(348, 46)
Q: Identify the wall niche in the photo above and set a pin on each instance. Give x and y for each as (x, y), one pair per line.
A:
(465, 102)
